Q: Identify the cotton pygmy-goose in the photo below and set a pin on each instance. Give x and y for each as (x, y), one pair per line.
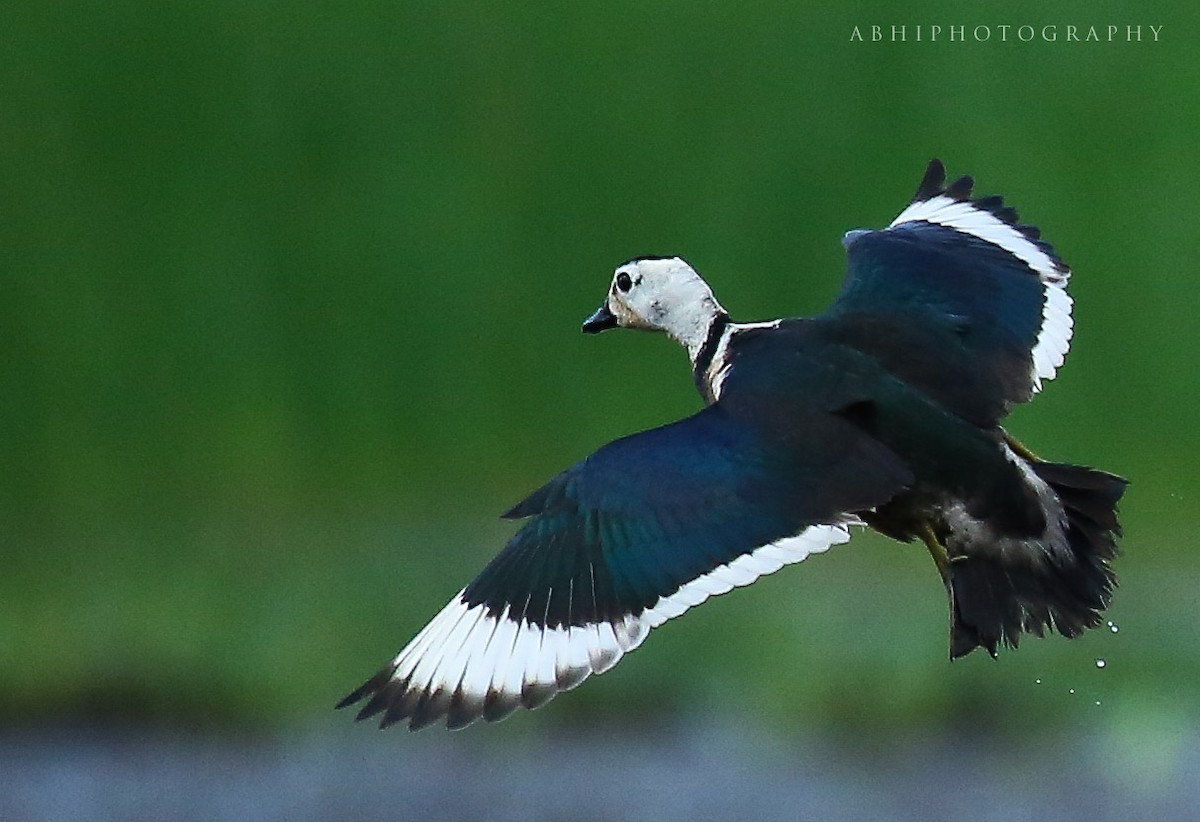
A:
(883, 411)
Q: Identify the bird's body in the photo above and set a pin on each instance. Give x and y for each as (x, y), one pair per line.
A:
(884, 410)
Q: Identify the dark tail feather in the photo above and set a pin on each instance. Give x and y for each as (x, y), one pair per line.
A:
(995, 599)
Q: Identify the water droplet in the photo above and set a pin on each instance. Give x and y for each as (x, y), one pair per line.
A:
(1100, 663)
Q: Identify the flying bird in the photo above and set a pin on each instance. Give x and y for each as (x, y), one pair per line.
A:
(885, 410)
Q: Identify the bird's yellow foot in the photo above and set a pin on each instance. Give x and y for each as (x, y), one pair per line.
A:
(1019, 448)
(941, 558)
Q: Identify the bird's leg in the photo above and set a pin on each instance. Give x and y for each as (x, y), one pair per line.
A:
(1019, 448)
(941, 558)
(962, 639)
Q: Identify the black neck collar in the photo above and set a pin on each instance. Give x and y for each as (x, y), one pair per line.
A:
(704, 357)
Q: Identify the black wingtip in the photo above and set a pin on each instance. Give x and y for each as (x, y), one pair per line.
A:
(347, 701)
(962, 190)
(932, 182)
(351, 698)
(368, 688)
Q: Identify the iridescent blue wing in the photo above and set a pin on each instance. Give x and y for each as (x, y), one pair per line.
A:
(957, 298)
(630, 537)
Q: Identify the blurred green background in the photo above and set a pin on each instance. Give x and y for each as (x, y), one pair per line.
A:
(290, 308)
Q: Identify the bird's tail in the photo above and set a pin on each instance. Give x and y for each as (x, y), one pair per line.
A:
(998, 595)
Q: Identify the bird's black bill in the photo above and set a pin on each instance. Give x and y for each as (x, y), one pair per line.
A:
(602, 320)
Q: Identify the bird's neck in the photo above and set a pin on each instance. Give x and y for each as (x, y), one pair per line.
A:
(708, 359)
(702, 354)
(693, 328)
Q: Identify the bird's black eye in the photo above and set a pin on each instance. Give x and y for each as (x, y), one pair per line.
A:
(623, 281)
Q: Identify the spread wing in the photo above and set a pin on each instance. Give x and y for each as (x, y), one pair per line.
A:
(959, 299)
(630, 537)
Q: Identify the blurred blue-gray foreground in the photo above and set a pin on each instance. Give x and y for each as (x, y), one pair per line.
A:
(289, 312)
(695, 772)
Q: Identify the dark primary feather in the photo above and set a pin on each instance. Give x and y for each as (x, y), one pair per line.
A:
(933, 183)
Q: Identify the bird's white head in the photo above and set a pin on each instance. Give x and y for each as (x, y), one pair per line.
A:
(659, 294)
